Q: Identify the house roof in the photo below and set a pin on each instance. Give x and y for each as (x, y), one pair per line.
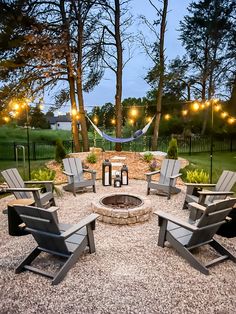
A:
(54, 120)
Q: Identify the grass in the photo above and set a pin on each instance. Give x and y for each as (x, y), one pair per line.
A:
(18, 134)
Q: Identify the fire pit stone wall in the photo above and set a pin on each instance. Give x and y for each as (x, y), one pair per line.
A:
(123, 216)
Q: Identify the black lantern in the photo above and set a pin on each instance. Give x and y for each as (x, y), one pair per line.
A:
(124, 175)
(106, 172)
(117, 180)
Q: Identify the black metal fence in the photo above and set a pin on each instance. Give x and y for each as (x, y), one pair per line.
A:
(46, 150)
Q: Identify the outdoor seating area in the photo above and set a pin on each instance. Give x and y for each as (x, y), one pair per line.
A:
(127, 271)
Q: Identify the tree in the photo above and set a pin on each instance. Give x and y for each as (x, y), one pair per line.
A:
(156, 52)
(116, 21)
(38, 119)
(58, 45)
(205, 35)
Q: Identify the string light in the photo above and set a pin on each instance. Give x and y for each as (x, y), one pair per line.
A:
(224, 114)
(134, 112)
(184, 112)
(73, 112)
(217, 108)
(113, 121)
(167, 117)
(195, 106)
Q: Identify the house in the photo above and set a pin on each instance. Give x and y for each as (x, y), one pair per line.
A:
(61, 122)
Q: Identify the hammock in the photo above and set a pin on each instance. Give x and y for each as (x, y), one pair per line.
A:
(135, 136)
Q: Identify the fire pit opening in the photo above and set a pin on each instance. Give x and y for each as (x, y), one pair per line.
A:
(121, 201)
(122, 209)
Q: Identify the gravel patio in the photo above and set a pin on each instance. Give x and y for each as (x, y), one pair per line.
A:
(128, 273)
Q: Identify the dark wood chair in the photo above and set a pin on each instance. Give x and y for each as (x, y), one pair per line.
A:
(62, 240)
(185, 236)
(75, 176)
(169, 173)
(21, 191)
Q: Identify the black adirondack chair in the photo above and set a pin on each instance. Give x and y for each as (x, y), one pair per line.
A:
(185, 236)
(62, 240)
(21, 191)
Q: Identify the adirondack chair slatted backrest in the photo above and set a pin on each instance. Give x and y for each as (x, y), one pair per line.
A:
(169, 167)
(14, 180)
(43, 226)
(212, 218)
(225, 183)
(74, 166)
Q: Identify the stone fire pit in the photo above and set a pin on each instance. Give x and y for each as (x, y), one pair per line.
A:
(122, 209)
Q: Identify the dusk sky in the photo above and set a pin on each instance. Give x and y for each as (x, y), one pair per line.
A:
(136, 69)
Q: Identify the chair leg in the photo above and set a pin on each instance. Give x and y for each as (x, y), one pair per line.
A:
(186, 254)
(148, 191)
(69, 263)
(94, 188)
(222, 250)
(28, 260)
(162, 232)
(91, 243)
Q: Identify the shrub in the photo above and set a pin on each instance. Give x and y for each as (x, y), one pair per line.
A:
(172, 151)
(197, 176)
(92, 158)
(60, 151)
(43, 174)
(153, 165)
(148, 156)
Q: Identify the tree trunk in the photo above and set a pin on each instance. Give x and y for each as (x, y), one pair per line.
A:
(161, 79)
(75, 131)
(118, 105)
(74, 123)
(82, 119)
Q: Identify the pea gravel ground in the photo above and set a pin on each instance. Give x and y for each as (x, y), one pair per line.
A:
(128, 273)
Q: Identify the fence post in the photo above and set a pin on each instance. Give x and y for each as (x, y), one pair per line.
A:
(14, 152)
(231, 143)
(34, 151)
(190, 145)
(149, 143)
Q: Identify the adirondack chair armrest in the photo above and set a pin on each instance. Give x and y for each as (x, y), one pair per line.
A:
(68, 174)
(84, 222)
(206, 192)
(23, 189)
(152, 173)
(199, 185)
(38, 182)
(53, 209)
(89, 171)
(196, 210)
(176, 176)
(175, 220)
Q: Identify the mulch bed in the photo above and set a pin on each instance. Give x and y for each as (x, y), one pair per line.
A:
(135, 162)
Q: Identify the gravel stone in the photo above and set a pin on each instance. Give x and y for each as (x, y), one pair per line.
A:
(129, 273)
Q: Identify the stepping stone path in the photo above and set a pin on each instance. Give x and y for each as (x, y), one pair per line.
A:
(117, 164)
